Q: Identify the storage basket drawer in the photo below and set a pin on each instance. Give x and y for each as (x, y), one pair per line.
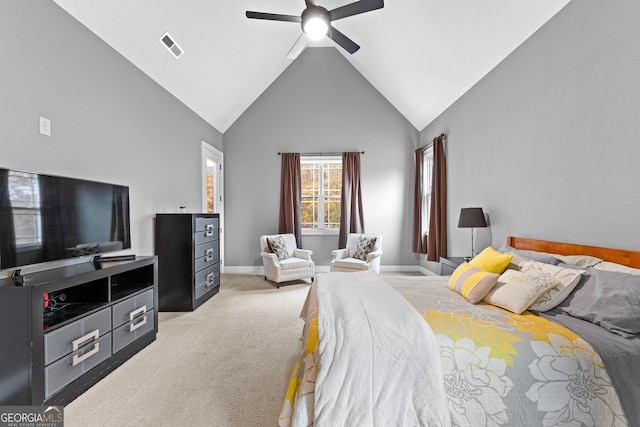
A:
(127, 310)
(59, 374)
(130, 331)
(71, 337)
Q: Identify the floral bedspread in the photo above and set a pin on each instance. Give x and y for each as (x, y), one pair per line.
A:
(500, 369)
(507, 369)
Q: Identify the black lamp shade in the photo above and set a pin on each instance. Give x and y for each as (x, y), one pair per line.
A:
(471, 218)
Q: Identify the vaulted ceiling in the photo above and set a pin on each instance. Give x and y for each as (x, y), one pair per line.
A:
(421, 55)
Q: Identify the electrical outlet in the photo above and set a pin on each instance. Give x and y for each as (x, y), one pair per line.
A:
(45, 126)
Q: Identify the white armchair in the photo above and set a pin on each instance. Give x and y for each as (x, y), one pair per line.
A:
(285, 261)
(360, 254)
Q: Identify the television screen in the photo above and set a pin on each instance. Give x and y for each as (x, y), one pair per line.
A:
(49, 218)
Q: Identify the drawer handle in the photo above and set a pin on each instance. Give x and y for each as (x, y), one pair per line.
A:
(209, 227)
(133, 327)
(75, 344)
(134, 313)
(208, 233)
(78, 359)
(210, 278)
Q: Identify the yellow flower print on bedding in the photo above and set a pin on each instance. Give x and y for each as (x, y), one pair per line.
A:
(539, 328)
(482, 332)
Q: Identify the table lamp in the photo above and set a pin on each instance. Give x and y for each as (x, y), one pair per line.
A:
(471, 218)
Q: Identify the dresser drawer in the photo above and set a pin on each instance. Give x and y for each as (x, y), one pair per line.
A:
(131, 308)
(212, 257)
(59, 374)
(130, 331)
(203, 224)
(75, 335)
(207, 236)
(206, 280)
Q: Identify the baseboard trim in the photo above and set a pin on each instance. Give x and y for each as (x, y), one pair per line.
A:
(259, 271)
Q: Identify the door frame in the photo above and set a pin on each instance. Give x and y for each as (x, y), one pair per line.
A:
(210, 152)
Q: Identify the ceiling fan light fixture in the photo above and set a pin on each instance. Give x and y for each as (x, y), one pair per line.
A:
(315, 22)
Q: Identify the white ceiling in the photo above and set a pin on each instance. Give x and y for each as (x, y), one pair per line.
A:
(421, 55)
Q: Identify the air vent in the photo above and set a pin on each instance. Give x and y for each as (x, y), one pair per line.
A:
(171, 45)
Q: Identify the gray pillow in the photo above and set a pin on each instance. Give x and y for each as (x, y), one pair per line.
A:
(608, 299)
(532, 255)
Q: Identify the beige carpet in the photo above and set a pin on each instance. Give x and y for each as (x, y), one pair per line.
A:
(226, 364)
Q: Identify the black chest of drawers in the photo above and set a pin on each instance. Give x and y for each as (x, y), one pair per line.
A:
(188, 249)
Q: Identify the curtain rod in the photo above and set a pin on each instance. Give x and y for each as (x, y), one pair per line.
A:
(322, 154)
(429, 144)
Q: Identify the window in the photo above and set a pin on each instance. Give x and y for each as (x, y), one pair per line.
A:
(24, 194)
(427, 176)
(321, 182)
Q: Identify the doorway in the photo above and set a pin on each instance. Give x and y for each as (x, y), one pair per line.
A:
(212, 188)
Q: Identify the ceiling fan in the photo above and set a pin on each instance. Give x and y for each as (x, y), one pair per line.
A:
(316, 22)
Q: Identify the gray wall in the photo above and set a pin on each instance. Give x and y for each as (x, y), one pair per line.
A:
(110, 121)
(548, 142)
(319, 104)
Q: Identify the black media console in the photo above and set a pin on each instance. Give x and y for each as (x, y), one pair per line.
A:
(66, 328)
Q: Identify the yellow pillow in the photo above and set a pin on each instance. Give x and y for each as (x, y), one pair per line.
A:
(492, 261)
(472, 283)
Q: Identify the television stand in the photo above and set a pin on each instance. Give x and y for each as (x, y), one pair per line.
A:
(66, 328)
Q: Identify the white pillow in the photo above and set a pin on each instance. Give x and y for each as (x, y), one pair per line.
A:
(618, 268)
(567, 278)
(584, 261)
(517, 290)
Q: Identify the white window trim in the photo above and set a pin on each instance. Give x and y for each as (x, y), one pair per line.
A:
(320, 231)
(427, 187)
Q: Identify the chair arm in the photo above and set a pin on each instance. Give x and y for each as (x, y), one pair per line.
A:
(270, 256)
(374, 254)
(340, 253)
(302, 253)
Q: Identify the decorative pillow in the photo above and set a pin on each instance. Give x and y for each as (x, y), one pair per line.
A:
(278, 246)
(609, 299)
(472, 283)
(584, 261)
(568, 278)
(363, 247)
(533, 255)
(618, 268)
(516, 291)
(491, 260)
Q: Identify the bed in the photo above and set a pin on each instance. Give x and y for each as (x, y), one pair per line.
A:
(413, 350)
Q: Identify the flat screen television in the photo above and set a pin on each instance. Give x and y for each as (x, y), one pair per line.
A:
(50, 218)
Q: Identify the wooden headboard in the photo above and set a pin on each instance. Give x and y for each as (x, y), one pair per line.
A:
(620, 256)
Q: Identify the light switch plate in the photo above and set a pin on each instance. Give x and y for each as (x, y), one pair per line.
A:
(45, 126)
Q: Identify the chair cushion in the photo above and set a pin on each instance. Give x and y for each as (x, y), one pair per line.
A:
(278, 246)
(363, 247)
(352, 263)
(293, 262)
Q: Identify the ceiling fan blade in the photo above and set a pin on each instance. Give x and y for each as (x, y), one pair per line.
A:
(355, 8)
(273, 16)
(345, 42)
(297, 47)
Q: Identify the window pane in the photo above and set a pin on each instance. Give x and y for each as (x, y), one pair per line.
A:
(309, 179)
(332, 212)
(332, 179)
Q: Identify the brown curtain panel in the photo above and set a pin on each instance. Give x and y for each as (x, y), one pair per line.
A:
(419, 243)
(290, 196)
(351, 216)
(437, 237)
